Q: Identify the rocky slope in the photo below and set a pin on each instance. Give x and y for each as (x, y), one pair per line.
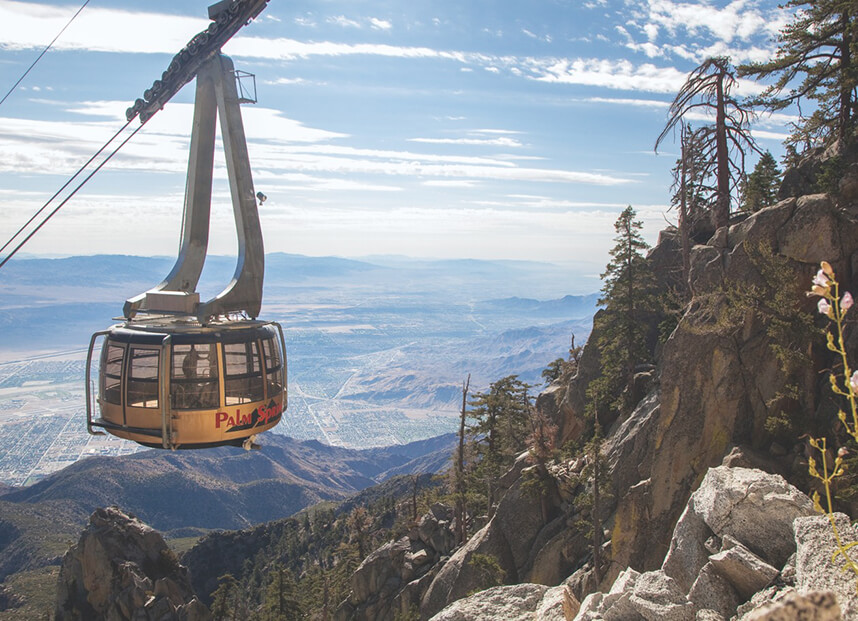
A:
(748, 546)
(188, 493)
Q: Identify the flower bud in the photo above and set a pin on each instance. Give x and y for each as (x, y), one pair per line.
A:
(846, 302)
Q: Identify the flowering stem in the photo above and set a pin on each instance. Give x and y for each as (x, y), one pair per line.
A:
(826, 479)
(827, 287)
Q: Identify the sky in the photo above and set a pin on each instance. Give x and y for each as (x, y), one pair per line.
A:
(490, 129)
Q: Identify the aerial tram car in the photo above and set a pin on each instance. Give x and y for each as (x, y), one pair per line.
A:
(180, 373)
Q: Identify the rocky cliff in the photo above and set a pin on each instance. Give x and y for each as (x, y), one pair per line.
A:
(122, 569)
(725, 380)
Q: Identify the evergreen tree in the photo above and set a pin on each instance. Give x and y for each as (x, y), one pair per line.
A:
(564, 368)
(708, 89)
(541, 444)
(500, 428)
(281, 597)
(359, 522)
(226, 599)
(554, 370)
(627, 294)
(761, 188)
(814, 62)
(591, 503)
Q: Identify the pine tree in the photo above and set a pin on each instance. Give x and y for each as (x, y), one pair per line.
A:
(225, 599)
(359, 522)
(281, 597)
(761, 188)
(814, 62)
(541, 444)
(554, 370)
(725, 142)
(499, 430)
(627, 294)
(564, 368)
(591, 504)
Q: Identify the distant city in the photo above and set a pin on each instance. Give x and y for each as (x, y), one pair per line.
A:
(43, 418)
(374, 364)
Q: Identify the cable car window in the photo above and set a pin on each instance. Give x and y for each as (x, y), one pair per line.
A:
(143, 378)
(243, 376)
(194, 378)
(111, 379)
(273, 366)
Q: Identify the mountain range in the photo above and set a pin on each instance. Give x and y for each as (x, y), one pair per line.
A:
(188, 493)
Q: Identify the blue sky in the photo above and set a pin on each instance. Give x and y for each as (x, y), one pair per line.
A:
(486, 129)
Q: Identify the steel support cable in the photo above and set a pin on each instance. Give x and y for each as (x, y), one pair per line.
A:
(44, 51)
(68, 198)
(65, 185)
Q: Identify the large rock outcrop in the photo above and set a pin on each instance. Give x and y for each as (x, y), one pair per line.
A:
(393, 579)
(122, 569)
(748, 546)
(718, 378)
(517, 602)
(521, 534)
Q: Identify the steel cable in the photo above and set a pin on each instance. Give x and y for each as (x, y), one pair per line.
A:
(65, 185)
(44, 51)
(67, 198)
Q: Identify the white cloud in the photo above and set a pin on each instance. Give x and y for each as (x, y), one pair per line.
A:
(25, 25)
(380, 24)
(614, 74)
(623, 101)
(295, 182)
(345, 22)
(290, 81)
(493, 142)
(22, 25)
(306, 22)
(651, 31)
(765, 135)
(533, 35)
(735, 20)
(494, 131)
(740, 29)
(450, 183)
(290, 49)
(278, 146)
